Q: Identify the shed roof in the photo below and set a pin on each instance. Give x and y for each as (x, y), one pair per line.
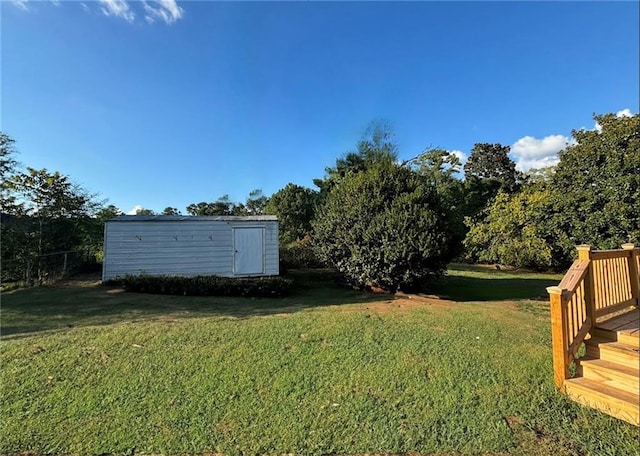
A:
(196, 218)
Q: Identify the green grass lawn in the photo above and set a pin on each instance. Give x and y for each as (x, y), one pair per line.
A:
(484, 283)
(88, 369)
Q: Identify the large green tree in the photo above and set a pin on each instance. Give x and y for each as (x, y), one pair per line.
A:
(170, 211)
(491, 162)
(8, 166)
(597, 183)
(93, 230)
(8, 162)
(295, 207)
(383, 227)
(440, 168)
(520, 230)
(487, 171)
(108, 212)
(52, 213)
(145, 211)
(256, 203)
(221, 206)
(591, 197)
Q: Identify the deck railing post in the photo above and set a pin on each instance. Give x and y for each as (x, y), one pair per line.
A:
(584, 253)
(633, 271)
(559, 337)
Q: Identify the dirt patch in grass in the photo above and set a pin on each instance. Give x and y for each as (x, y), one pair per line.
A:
(412, 301)
(408, 302)
(402, 302)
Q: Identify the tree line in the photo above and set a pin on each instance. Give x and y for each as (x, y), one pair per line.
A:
(381, 222)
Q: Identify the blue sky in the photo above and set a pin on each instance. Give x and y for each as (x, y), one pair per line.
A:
(160, 103)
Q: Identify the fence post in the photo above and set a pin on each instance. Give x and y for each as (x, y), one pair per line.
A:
(559, 337)
(633, 272)
(584, 253)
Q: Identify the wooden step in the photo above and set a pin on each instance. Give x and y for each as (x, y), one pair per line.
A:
(604, 334)
(612, 401)
(626, 337)
(616, 352)
(621, 376)
(629, 338)
(624, 328)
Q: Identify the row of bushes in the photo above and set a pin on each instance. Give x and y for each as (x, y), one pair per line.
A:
(255, 287)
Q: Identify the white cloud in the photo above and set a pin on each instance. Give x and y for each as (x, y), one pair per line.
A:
(118, 8)
(530, 152)
(166, 10)
(624, 113)
(134, 210)
(526, 165)
(22, 4)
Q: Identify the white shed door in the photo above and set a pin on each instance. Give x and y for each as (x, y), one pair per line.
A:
(248, 246)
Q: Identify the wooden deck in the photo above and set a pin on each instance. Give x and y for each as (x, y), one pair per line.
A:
(596, 304)
(608, 376)
(626, 326)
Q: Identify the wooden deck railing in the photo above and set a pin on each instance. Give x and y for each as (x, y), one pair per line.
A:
(598, 284)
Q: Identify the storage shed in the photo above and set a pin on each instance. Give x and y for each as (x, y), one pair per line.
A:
(227, 246)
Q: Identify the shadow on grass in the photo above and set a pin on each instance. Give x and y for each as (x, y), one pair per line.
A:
(55, 308)
(84, 303)
(465, 283)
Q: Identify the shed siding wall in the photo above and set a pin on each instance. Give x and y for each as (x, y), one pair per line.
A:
(185, 248)
(272, 253)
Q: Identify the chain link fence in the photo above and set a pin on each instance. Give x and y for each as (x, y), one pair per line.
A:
(48, 268)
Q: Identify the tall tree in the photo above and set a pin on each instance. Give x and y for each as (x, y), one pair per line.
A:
(58, 209)
(376, 145)
(256, 202)
(8, 166)
(170, 211)
(108, 212)
(93, 229)
(592, 197)
(539, 177)
(295, 207)
(597, 183)
(440, 168)
(144, 211)
(8, 163)
(520, 230)
(487, 171)
(222, 206)
(200, 208)
(491, 162)
(384, 227)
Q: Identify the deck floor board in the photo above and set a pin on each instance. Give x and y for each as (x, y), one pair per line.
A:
(627, 323)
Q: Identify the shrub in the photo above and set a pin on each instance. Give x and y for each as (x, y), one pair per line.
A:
(259, 287)
(299, 255)
(383, 227)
